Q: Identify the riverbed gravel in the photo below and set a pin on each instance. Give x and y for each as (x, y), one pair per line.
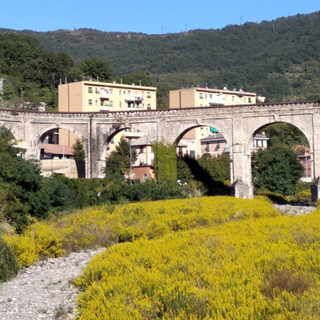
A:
(44, 290)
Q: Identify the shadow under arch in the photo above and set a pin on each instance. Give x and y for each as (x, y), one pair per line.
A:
(212, 148)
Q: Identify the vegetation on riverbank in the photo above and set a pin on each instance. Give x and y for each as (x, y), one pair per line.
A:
(110, 224)
(199, 258)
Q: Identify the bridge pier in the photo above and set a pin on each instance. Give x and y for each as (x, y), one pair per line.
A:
(241, 179)
(315, 190)
(243, 190)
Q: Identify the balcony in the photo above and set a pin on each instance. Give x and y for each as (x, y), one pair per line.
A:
(104, 108)
(105, 94)
(217, 100)
(134, 98)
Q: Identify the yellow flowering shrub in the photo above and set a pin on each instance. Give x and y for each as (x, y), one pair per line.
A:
(104, 226)
(47, 240)
(266, 268)
(24, 248)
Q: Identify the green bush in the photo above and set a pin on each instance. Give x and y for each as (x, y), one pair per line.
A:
(8, 264)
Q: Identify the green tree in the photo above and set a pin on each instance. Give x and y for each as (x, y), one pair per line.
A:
(184, 173)
(276, 169)
(79, 156)
(20, 182)
(60, 196)
(8, 263)
(78, 151)
(218, 168)
(118, 163)
(96, 68)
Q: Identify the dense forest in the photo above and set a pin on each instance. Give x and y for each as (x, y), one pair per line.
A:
(278, 59)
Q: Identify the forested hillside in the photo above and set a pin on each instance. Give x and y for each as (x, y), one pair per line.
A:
(279, 59)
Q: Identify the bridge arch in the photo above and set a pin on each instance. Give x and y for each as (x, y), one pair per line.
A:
(53, 146)
(306, 130)
(302, 148)
(130, 132)
(44, 132)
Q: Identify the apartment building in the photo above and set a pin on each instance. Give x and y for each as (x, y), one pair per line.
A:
(95, 96)
(206, 97)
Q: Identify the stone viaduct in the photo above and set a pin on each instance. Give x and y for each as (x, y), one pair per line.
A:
(238, 124)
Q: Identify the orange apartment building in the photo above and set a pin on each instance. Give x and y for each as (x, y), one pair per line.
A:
(95, 96)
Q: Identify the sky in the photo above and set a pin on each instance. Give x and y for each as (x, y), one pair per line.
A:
(145, 16)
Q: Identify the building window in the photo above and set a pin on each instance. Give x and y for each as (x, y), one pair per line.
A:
(201, 95)
(249, 100)
(111, 104)
(149, 106)
(257, 143)
(232, 98)
(148, 95)
(97, 90)
(90, 101)
(90, 89)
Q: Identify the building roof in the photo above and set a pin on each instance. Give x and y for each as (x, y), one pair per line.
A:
(142, 141)
(57, 149)
(219, 137)
(260, 137)
(214, 137)
(113, 84)
(222, 91)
